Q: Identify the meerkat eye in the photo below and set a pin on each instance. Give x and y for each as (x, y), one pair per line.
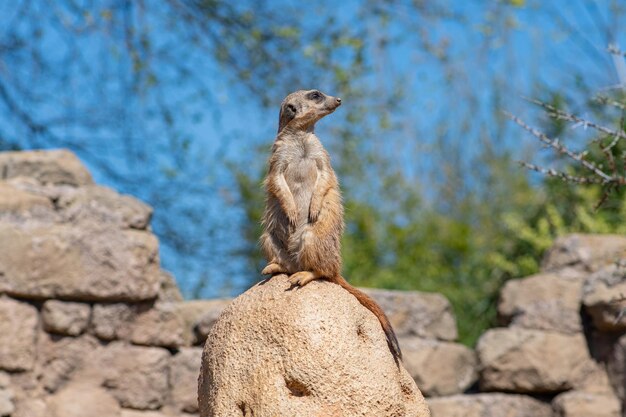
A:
(315, 95)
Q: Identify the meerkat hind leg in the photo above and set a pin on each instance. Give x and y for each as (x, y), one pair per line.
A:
(303, 277)
(273, 268)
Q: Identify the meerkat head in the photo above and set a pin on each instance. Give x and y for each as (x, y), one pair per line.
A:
(302, 109)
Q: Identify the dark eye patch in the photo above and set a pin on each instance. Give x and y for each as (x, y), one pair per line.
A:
(315, 95)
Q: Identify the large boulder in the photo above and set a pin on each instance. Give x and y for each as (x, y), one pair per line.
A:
(167, 324)
(78, 263)
(104, 206)
(6, 395)
(184, 371)
(64, 317)
(585, 252)
(414, 313)
(439, 368)
(584, 404)
(604, 297)
(311, 351)
(18, 335)
(617, 368)
(14, 200)
(62, 359)
(136, 376)
(79, 400)
(547, 301)
(488, 405)
(532, 361)
(48, 167)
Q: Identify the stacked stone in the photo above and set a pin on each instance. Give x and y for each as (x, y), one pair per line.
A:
(89, 323)
(564, 332)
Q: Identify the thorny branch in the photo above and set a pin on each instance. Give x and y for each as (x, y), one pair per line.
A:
(610, 175)
(563, 150)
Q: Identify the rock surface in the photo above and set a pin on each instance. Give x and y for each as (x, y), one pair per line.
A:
(78, 263)
(298, 346)
(488, 405)
(605, 297)
(14, 200)
(184, 371)
(55, 167)
(66, 318)
(439, 368)
(617, 369)
(85, 312)
(583, 404)
(104, 206)
(136, 376)
(436, 320)
(585, 252)
(531, 361)
(548, 301)
(79, 400)
(18, 335)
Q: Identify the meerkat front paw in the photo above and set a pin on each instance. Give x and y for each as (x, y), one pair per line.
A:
(292, 215)
(273, 269)
(300, 279)
(314, 212)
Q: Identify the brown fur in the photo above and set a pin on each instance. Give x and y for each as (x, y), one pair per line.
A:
(303, 219)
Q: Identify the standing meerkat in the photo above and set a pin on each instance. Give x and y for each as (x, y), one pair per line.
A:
(303, 218)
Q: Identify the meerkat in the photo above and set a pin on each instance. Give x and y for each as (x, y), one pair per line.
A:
(303, 218)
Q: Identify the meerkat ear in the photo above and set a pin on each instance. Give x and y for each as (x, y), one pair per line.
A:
(290, 111)
(287, 113)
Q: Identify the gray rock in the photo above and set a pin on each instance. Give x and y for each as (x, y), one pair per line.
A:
(585, 252)
(78, 263)
(66, 318)
(136, 376)
(62, 358)
(547, 301)
(14, 200)
(584, 404)
(160, 325)
(531, 361)
(80, 400)
(413, 313)
(311, 351)
(104, 206)
(184, 371)
(488, 405)
(201, 315)
(439, 368)
(112, 321)
(6, 402)
(616, 368)
(604, 297)
(18, 335)
(169, 291)
(53, 166)
(149, 324)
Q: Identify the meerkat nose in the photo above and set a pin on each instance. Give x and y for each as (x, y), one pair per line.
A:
(338, 100)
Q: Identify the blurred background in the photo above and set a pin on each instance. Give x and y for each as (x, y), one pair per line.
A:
(176, 102)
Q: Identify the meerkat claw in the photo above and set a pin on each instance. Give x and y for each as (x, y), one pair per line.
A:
(272, 269)
(301, 278)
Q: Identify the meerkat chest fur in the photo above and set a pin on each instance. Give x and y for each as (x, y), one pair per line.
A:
(302, 155)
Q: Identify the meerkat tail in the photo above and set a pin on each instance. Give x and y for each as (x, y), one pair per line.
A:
(367, 302)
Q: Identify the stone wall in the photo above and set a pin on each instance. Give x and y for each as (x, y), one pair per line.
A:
(90, 324)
